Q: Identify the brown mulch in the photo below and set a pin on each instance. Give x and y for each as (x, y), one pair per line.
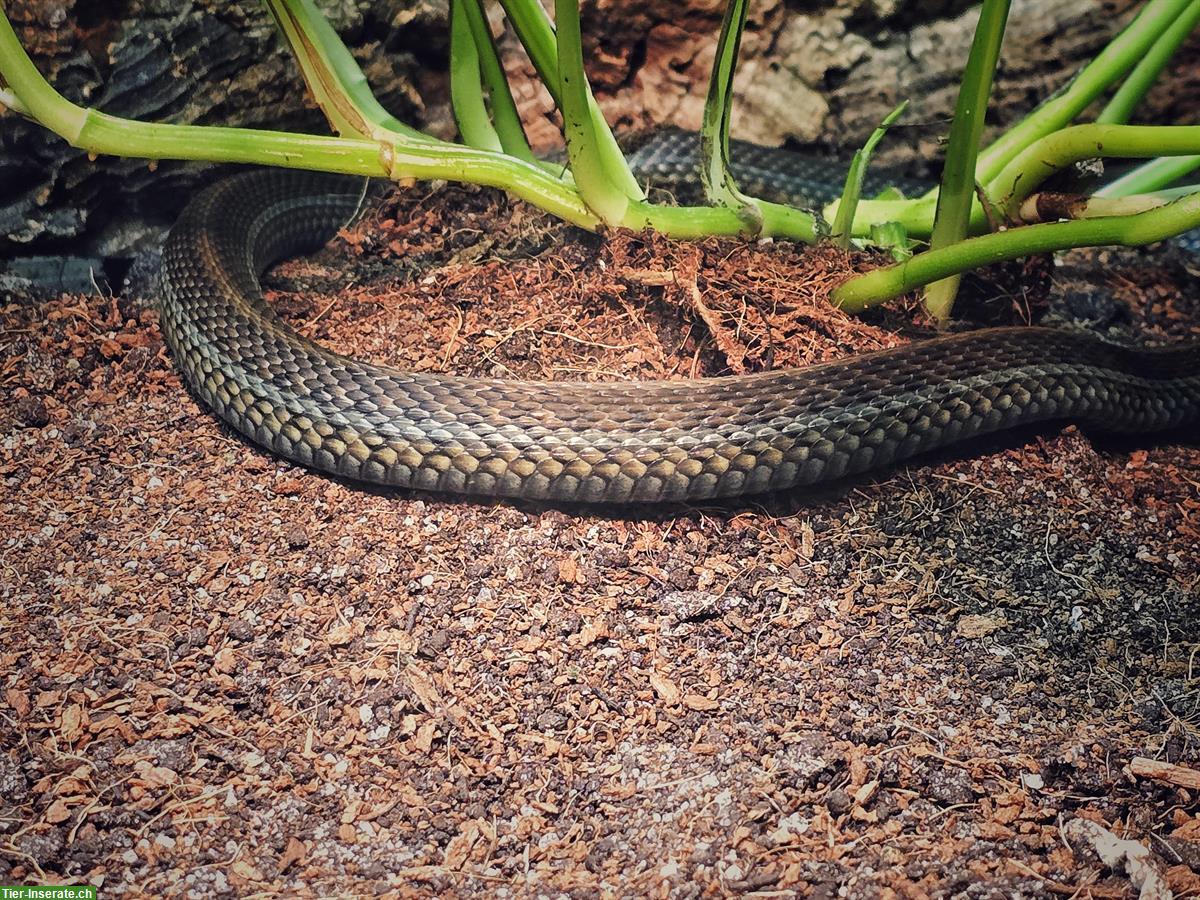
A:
(222, 673)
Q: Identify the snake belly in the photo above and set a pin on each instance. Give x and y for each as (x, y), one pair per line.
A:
(616, 443)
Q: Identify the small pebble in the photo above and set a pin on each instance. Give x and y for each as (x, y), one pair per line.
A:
(838, 802)
(32, 412)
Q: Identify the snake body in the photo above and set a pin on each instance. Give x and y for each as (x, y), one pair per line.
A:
(670, 157)
(627, 442)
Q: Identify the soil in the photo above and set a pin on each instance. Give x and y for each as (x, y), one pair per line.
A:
(227, 675)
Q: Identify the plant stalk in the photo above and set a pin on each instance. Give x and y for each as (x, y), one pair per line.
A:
(601, 195)
(1147, 227)
(1120, 108)
(1026, 172)
(504, 109)
(854, 179)
(956, 194)
(1054, 152)
(1119, 57)
(537, 34)
(466, 90)
(719, 185)
(334, 78)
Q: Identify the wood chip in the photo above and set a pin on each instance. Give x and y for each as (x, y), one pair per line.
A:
(1143, 767)
(293, 853)
(74, 721)
(57, 812)
(972, 627)
(18, 700)
(340, 635)
(665, 688)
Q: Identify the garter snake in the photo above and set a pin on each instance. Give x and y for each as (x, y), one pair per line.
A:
(648, 441)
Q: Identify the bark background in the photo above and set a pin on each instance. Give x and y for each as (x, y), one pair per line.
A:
(813, 73)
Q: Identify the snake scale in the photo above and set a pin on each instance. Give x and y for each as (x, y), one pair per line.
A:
(617, 443)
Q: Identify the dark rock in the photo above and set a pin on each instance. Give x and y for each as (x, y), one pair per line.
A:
(42, 844)
(950, 786)
(240, 630)
(55, 274)
(31, 411)
(13, 785)
(435, 644)
(838, 802)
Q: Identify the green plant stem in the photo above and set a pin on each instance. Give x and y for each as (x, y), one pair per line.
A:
(97, 132)
(956, 194)
(719, 185)
(1036, 163)
(528, 181)
(1151, 176)
(396, 157)
(914, 216)
(1117, 58)
(601, 195)
(466, 91)
(1176, 192)
(333, 76)
(1119, 109)
(1121, 55)
(535, 31)
(537, 35)
(1144, 228)
(1026, 172)
(778, 221)
(854, 178)
(504, 109)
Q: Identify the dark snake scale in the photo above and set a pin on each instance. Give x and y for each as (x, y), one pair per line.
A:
(615, 443)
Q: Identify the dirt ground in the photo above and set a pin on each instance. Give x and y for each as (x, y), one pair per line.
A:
(225, 675)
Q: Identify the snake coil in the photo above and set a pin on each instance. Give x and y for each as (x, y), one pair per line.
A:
(648, 441)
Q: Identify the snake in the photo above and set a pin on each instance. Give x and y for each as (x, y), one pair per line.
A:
(628, 442)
